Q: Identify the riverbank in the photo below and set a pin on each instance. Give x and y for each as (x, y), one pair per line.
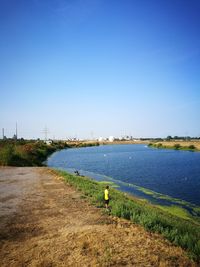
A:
(179, 231)
(62, 228)
(178, 145)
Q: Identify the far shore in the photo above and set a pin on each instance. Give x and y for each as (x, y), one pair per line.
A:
(105, 142)
(193, 145)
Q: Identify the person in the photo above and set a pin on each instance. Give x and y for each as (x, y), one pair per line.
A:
(77, 173)
(106, 196)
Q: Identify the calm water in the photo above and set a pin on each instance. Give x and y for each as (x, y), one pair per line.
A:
(169, 172)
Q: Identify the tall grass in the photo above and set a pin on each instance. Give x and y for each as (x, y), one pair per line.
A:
(31, 152)
(25, 153)
(179, 231)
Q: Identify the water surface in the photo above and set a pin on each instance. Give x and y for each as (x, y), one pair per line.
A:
(169, 172)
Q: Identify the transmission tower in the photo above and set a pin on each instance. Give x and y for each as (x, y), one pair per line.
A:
(45, 132)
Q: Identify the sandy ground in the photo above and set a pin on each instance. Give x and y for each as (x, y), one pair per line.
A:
(44, 222)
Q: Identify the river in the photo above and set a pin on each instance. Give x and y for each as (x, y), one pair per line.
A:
(153, 174)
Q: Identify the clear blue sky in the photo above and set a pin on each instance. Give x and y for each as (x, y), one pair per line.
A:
(100, 67)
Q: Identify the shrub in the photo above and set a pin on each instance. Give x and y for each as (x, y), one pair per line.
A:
(159, 145)
(191, 147)
(26, 153)
(6, 155)
(177, 146)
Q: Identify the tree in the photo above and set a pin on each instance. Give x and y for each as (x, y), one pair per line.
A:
(168, 138)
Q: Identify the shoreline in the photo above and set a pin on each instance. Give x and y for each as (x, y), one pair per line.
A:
(183, 208)
(193, 146)
(149, 216)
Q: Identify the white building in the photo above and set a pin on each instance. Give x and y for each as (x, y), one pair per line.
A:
(111, 138)
(48, 142)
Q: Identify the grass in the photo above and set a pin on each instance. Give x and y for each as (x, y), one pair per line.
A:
(180, 232)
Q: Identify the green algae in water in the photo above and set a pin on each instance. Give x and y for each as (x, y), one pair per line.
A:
(177, 207)
(112, 184)
(177, 211)
(174, 206)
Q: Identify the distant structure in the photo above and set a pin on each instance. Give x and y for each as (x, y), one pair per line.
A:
(126, 138)
(45, 131)
(48, 142)
(111, 138)
(2, 133)
(15, 134)
(16, 131)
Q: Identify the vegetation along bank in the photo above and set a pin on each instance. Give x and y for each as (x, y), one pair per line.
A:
(31, 152)
(177, 145)
(183, 233)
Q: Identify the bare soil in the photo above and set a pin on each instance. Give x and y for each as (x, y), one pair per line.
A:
(45, 222)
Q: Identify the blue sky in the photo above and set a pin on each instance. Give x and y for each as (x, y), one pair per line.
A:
(91, 68)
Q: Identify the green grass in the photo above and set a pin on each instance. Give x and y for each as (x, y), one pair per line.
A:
(179, 231)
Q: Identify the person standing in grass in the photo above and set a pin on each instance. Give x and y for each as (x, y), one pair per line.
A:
(106, 196)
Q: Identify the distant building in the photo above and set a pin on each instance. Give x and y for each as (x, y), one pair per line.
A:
(48, 142)
(101, 139)
(14, 137)
(111, 138)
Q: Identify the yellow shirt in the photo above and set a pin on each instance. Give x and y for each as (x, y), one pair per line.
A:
(106, 194)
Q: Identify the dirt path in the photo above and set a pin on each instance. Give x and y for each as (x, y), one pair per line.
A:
(44, 222)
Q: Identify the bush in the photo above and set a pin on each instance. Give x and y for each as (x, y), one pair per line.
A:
(6, 155)
(177, 146)
(191, 147)
(159, 145)
(26, 153)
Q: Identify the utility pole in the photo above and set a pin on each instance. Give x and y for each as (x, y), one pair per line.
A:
(3, 133)
(16, 131)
